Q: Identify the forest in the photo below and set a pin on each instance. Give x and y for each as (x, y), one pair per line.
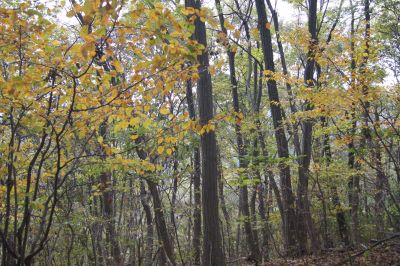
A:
(199, 132)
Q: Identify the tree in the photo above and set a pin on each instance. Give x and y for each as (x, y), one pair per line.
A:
(126, 128)
(212, 246)
(288, 220)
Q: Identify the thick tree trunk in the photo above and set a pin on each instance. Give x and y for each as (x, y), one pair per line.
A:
(212, 244)
(289, 230)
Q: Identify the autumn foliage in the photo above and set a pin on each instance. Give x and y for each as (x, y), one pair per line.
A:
(125, 125)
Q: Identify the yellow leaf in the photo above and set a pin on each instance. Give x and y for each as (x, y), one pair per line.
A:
(228, 25)
(108, 150)
(209, 127)
(134, 121)
(147, 123)
(195, 76)
(160, 149)
(121, 125)
(37, 205)
(84, 51)
(71, 13)
(236, 34)
(212, 70)
(164, 111)
(118, 66)
(188, 11)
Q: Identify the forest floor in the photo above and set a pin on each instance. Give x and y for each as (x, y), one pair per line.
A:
(379, 254)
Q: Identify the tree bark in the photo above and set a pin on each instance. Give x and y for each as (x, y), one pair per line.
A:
(289, 230)
(196, 182)
(149, 225)
(212, 244)
(108, 210)
(354, 180)
(223, 204)
(161, 225)
(305, 223)
(380, 183)
(340, 215)
(293, 109)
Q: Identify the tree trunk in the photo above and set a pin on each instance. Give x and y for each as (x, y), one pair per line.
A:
(223, 204)
(196, 182)
(212, 244)
(161, 225)
(289, 230)
(293, 109)
(263, 214)
(108, 210)
(354, 180)
(354, 188)
(149, 225)
(380, 184)
(340, 215)
(108, 203)
(252, 244)
(305, 223)
(167, 250)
